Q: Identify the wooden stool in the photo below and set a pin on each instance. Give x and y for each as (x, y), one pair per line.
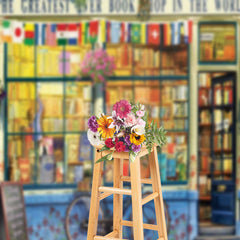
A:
(100, 192)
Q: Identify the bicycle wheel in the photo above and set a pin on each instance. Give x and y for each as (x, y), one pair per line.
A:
(149, 216)
(76, 222)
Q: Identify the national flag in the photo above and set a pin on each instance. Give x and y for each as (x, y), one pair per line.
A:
(154, 34)
(167, 34)
(143, 33)
(108, 32)
(102, 32)
(29, 29)
(72, 33)
(135, 33)
(51, 32)
(79, 33)
(187, 31)
(115, 32)
(124, 32)
(17, 32)
(175, 27)
(40, 34)
(93, 31)
(190, 25)
(161, 34)
(85, 33)
(7, 31)
(61, 34)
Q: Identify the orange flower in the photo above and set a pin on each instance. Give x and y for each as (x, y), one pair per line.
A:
(104, 129)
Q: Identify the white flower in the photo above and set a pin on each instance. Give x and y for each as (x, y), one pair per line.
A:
(138, 129)
(94, 138)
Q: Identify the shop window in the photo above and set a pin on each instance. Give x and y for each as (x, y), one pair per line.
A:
(47, 113)
(217, 42)
(159, 81)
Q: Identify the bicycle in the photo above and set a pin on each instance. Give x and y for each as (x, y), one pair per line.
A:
(76, 222)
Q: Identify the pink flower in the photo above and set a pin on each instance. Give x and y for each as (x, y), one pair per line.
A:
(140, 113)
(130, 120)
(141, 122)
(122, 108)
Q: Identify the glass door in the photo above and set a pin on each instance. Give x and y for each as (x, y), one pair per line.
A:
(223, 150)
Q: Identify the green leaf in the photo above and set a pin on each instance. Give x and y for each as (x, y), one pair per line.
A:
(104, 148)
(132, 156)
(107, 157)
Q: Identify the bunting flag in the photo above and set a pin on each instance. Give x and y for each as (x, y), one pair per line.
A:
(18, 32)
(29, 34)
(40, 34)
(154, 34)
(100, 31)
(143, 33)
(115, 32)
(7, 31)
(51, 32)
(176, 38)
(61, 34)
(135, 33)
(108, 32)
(93, 31)
(72, 34)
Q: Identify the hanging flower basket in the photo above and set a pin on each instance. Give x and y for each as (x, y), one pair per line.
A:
(97, 65)
(125, 130)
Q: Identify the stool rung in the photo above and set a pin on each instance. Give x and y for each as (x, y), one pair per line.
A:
(112, 234)
(149, 198)
(104, 195)
(143, 180)
(107, 238)
(113, 190)
(145, 225)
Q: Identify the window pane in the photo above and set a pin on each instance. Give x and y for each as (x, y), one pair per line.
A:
(146, 59)
(174, 60)
(123, 56)
(116, 91)
(217, 42)
(20, 61)
(73, 57)
(50, 159)
(50, 107)
(78, 105)
(21, 158)
(78, 156)
(174, 105)
(50, 61)
(21, 107)
(173, 158)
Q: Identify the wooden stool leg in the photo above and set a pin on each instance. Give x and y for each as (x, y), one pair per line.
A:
(158, 202)
(117, 198)
(94, 206)
(136, 199)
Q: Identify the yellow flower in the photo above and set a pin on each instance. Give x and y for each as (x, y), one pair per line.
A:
(104, 129)
(137, 139)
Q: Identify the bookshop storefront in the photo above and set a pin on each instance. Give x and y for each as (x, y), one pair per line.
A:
(182, 64)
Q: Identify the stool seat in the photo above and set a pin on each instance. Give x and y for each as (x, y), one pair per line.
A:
(100, 192)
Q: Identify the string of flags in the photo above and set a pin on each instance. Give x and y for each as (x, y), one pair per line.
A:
(96, 31)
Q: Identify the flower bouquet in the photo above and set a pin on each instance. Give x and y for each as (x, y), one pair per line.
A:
(126, 130)
(98, 65)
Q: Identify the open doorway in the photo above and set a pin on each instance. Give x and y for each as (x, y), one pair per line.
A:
(216, 152)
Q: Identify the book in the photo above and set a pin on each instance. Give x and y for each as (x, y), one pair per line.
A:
(85, 149)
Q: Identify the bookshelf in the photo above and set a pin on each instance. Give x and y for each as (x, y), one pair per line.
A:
(217, 41)
(47, 113)
(215, 131)
(164, 90)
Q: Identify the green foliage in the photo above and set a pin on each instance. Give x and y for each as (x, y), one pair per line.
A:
(80, 4)
(154, 135)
